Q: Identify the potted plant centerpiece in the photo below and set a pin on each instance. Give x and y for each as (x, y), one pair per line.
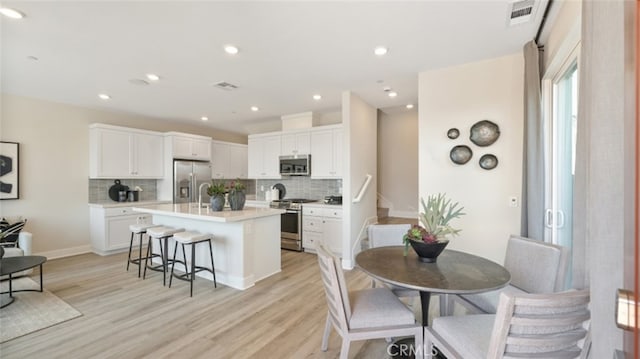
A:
(216, 191)
(429, 239)
(237, 196)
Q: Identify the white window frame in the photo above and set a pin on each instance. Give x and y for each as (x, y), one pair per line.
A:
(566, 56)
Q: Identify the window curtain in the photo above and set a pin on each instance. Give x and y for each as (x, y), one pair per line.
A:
(533, 176)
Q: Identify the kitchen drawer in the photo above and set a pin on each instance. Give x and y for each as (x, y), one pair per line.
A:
(322, 212)
(310, 240)
(332, 213)
(312, 211)
(120, 211)
(312, 224)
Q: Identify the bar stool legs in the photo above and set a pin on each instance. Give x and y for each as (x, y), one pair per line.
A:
(161, 233)
(140, 230)
(191, 238)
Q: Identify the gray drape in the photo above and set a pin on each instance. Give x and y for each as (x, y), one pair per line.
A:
(533, 176)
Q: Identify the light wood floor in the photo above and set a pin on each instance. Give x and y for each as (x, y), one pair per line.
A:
(126, 317)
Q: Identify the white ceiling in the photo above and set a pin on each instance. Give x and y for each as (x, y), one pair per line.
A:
(288, 52)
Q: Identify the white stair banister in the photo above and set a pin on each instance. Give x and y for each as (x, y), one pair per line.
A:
(363, 189)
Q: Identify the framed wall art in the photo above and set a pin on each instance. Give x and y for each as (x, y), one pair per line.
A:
(9, 170)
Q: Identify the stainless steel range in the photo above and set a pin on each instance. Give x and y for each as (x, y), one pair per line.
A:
(291, 222)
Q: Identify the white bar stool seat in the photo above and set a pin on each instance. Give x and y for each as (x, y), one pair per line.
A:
(162, 234)
(140, 229)
(191, 238)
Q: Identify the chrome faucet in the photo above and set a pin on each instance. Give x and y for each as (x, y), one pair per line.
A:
(200, 194)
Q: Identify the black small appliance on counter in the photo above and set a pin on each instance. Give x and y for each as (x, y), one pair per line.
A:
(333, 199)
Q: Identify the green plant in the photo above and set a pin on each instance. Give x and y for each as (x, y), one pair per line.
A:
(236, 186)
(437, 213)
(216, 188)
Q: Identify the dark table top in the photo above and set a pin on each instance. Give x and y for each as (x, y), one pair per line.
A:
(11, 265)
(454, 272)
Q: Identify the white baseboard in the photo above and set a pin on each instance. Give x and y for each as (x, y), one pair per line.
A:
(403, 214)
(67, 252)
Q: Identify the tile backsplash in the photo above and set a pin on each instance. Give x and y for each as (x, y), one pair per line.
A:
(99, 189)
(302, 187)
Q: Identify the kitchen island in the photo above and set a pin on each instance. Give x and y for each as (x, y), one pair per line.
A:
(246, 244)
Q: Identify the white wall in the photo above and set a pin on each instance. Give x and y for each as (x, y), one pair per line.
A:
(54, 166)
(398, 162)
(458, 97)
(359, 125)
(566, 24)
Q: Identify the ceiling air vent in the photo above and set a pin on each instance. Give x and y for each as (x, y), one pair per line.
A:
(223, 85)
(520, 12)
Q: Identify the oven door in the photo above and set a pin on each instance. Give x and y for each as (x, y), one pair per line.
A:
(290, 228)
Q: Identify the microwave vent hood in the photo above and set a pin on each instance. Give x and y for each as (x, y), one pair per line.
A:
(297, 165)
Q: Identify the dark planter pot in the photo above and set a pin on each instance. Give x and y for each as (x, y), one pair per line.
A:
(217, 202)
(428, 252)
(236, 200)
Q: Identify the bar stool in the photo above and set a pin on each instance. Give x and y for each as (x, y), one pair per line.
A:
(140, 229)
(162, 234)
(191, 238)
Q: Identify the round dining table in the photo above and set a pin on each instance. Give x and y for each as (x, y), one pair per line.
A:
(454, 272)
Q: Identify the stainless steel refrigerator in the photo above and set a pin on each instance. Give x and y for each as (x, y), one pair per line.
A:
(187, 178)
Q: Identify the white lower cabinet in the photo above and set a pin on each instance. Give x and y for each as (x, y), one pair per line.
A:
(109, 228)
(322, 224)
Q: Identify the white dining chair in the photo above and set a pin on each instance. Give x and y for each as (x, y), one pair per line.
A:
(535, 267)
(546, 326)
(364, 314)
(386, 235)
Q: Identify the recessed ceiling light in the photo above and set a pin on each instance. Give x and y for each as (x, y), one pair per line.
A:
(153, 77)
(317, 97)
(204, 118)
(393, 94)
(380, 50)
(254, 108)
(11, 13)
(410, 106)
(139, 82)
(230, 49)
(104, 96)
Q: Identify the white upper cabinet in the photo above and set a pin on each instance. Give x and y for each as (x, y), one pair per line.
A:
(326, 153)
(228, 160)
(120, 152)
(264, 153)
(238, 161)
(190, 147)
(297, 143)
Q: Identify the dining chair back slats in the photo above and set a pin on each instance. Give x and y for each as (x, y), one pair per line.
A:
(537, 324)
(335, 299)
(376, 312)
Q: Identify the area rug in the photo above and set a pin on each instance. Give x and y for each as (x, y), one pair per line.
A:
(31, 311)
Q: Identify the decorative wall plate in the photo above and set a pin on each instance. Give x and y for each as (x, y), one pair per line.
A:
(460, 154)
(488, 162)
(484, 133)
(453, 133)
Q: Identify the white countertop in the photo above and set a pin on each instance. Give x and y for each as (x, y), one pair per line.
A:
(113, 204)
(192, 211)
(321, 205)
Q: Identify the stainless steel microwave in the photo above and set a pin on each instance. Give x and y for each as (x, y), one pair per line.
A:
(298, 165)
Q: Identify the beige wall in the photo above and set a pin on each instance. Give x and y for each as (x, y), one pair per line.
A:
(359, 129)
(54, 166)
(398, 163)
(458, 97)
